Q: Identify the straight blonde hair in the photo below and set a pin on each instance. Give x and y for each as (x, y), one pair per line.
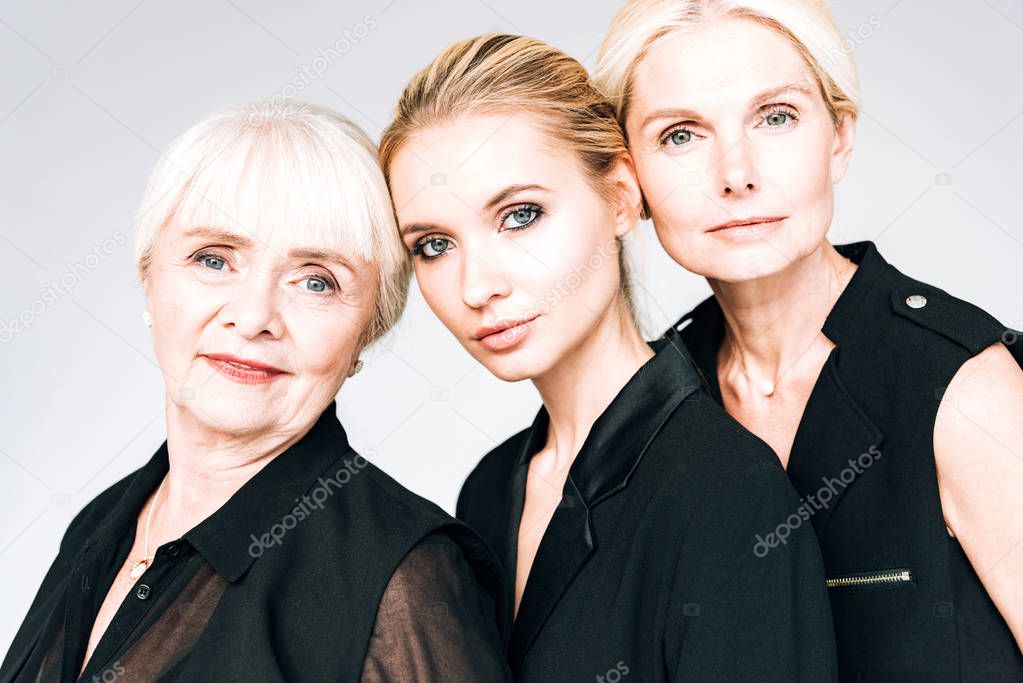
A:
(500, 73)
(807, 24)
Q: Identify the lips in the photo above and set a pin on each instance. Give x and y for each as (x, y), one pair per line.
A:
(243, 370)
(505, 334)
(746, 222)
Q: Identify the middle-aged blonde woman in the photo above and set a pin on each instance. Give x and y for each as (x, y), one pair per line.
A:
(627, 513)
(256, 545)
(896, 408)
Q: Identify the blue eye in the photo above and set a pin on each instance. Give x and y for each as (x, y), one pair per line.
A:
(318, 284)
(779, 116)
(679, 137)
(211, 261)
(521, 217)
(431, 247)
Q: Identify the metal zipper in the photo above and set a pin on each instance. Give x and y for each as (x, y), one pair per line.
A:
(887, 577)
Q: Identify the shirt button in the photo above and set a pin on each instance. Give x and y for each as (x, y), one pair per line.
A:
(916, 301)
(142, 592)
(173, 549)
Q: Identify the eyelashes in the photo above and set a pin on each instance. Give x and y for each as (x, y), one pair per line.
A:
(682, 135)
(434, 243)
(518, 217)
(206, 259)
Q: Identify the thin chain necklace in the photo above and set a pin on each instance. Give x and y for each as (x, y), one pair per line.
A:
(767, 387)
(142, 565)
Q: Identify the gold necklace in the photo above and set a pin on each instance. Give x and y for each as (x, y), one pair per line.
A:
(142, 565)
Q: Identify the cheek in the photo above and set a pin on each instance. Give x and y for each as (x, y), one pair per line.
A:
(799, 172)
(439, 284)
(181, 308)
(582, 260)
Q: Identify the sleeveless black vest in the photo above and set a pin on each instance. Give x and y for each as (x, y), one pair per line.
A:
(907, 604)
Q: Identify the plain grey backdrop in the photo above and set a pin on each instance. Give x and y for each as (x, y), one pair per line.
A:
(92, 91)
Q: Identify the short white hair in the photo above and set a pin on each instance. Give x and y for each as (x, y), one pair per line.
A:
(290, 166)
(808, 24)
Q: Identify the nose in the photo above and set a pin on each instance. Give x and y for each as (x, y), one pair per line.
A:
(737, 174)
(254, 306)
(483, 278)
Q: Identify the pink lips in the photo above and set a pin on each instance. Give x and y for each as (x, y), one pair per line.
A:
(748, 228)
(243, 370)
(504, 335)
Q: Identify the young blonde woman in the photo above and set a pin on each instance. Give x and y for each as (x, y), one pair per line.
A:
(896, 408)
(627, 514)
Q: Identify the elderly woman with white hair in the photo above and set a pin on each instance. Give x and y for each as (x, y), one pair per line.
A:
(256, 544)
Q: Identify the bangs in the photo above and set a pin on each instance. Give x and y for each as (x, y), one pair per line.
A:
(262, 168)
(281, 175)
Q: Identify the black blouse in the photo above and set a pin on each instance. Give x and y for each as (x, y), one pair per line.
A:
(319, 568)
(907, 603)
(650, 569)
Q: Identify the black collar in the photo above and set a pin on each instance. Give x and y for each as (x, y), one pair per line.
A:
(844, 316)
(224, 538)
(834, 426)
(708, 322)
(620, 435)
(609, 455)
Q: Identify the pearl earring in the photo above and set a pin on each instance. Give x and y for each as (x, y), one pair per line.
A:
(147, 318)
(358, 366)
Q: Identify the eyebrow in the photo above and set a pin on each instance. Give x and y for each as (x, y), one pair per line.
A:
(678, 112)
(310, 253)
(502, 196)
(314, 254)
(220, 235)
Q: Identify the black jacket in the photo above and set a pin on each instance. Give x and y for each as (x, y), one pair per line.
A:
(906, 601)
(649, 568)
(319, 568)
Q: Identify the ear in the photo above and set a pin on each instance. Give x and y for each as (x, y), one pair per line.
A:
(629, 203)
(842, 150)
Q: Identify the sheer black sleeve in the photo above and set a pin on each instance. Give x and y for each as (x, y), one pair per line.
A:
(434, 622)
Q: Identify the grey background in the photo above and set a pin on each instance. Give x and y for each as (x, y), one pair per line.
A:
(92, 91)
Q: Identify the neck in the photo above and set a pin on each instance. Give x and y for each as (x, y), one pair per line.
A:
(771, 320)
(206, 468)
(583, 383)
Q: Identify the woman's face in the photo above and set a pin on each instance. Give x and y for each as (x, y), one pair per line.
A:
(727, 124)
(254, 334)
(513, 248)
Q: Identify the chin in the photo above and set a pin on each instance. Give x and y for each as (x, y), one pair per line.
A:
(740, 262)
(229, 413)
(514, 366)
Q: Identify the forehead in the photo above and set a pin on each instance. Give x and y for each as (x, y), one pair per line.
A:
(728, 60)
(471, 158)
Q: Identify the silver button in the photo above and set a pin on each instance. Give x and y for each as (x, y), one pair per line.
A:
(916, 301)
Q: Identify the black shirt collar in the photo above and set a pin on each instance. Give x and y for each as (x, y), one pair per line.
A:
(703, 328)
(225, 537)
(620, 435)
(842, 319)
